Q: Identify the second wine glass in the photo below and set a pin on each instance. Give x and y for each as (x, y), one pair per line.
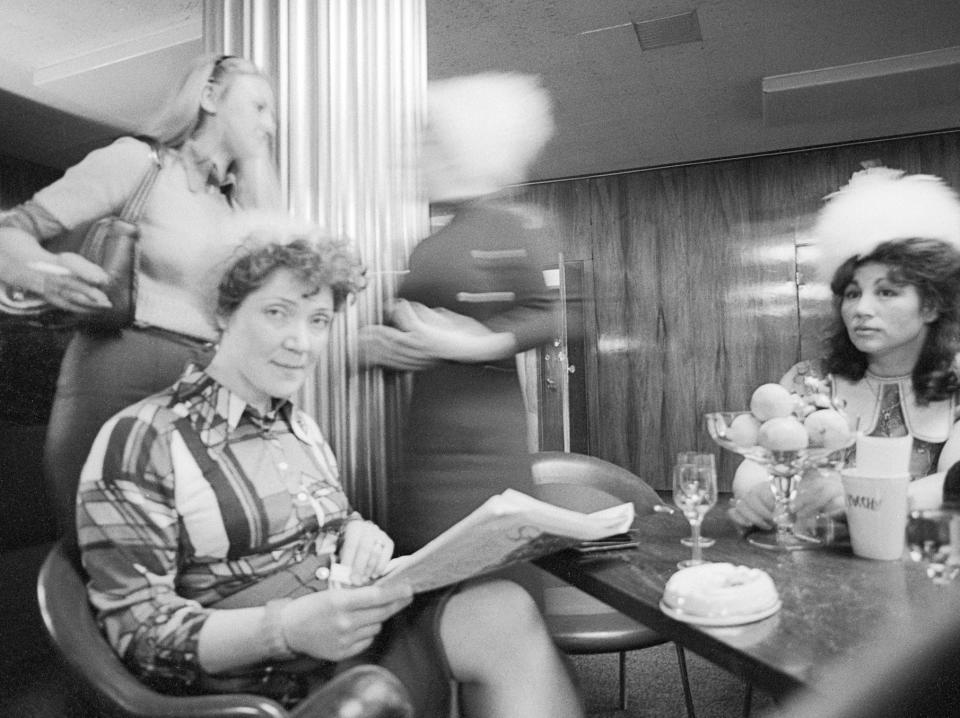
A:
(698, 459)
(695, 493)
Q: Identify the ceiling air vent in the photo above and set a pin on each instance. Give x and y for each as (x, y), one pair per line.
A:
(665, 31)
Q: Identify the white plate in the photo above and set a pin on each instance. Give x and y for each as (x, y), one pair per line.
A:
(721, 620)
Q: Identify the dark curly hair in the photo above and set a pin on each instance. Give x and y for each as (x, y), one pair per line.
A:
(314, 260)
(933, 267)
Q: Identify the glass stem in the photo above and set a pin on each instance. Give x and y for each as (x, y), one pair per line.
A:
(784, 488)
(695, 539)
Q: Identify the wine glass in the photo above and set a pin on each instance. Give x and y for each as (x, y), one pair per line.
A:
(784, 468)
(695, 493)
(698, 459)
(929, 541)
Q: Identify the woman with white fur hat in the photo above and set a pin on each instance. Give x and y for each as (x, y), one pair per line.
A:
(889, 243)
(474, 297)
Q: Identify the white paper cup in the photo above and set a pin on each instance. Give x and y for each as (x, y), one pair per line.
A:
(876, 513)
(884, 455)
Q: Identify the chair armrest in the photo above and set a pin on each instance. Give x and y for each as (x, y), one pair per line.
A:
(364, 691)
(70, 623)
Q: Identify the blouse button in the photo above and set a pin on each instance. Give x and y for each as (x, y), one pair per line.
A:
(283, 466)
(323, 573)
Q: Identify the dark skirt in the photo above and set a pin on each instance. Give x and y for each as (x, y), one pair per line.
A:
(465, 440)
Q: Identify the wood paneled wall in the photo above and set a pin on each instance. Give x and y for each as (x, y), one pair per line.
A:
(700, 291)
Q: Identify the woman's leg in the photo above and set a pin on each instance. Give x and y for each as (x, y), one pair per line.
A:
(499, 650)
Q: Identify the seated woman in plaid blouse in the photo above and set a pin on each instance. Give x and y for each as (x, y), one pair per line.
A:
(195, 497)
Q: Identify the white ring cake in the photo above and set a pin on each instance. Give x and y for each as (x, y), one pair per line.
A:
(719, 590)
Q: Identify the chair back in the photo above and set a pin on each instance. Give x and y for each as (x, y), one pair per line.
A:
(103, 678)
(587, 483)
(363, 691)
(578, 622)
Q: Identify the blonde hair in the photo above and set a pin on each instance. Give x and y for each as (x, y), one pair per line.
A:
(492, 125)
(180, 117)
(880, 204)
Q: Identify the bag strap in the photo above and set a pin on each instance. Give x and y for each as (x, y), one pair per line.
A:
(134, 205)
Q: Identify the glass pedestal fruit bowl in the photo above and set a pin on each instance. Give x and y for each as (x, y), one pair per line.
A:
(784, 468)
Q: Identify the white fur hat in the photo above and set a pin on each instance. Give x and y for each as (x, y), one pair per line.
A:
(879, 204)
(494, 124)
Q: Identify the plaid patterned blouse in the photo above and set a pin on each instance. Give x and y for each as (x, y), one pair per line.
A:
(189, 496)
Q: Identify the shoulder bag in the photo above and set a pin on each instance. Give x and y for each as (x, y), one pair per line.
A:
(111, 242)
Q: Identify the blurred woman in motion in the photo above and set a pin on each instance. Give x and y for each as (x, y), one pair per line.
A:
(215, 136)
(474, 297)
(890, 244)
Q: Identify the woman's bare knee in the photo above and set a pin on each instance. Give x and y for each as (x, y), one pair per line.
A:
(500, 651)
(490, 619)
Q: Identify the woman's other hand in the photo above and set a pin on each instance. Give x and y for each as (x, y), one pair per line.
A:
(336, 625)
(414, 317)
(420, 337)
(71, 282)
(366, 549)
(66, 280)
(753, 500)
(450, 336)
(820, 491)
(380, 345)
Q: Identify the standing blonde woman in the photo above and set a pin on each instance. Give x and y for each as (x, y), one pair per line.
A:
(215, 134)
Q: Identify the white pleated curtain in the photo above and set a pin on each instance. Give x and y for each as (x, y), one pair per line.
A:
(350, 77)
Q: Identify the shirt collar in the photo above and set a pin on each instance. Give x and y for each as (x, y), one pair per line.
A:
(214, 407)
(203, 173)
(280, 412)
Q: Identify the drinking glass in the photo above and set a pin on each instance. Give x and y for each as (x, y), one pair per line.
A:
(928, 541)
(697, 459)
(695, 493)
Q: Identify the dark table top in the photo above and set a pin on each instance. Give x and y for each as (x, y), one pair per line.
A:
(835, 604)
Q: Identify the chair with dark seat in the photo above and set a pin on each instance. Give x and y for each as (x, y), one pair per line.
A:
(580, 624)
